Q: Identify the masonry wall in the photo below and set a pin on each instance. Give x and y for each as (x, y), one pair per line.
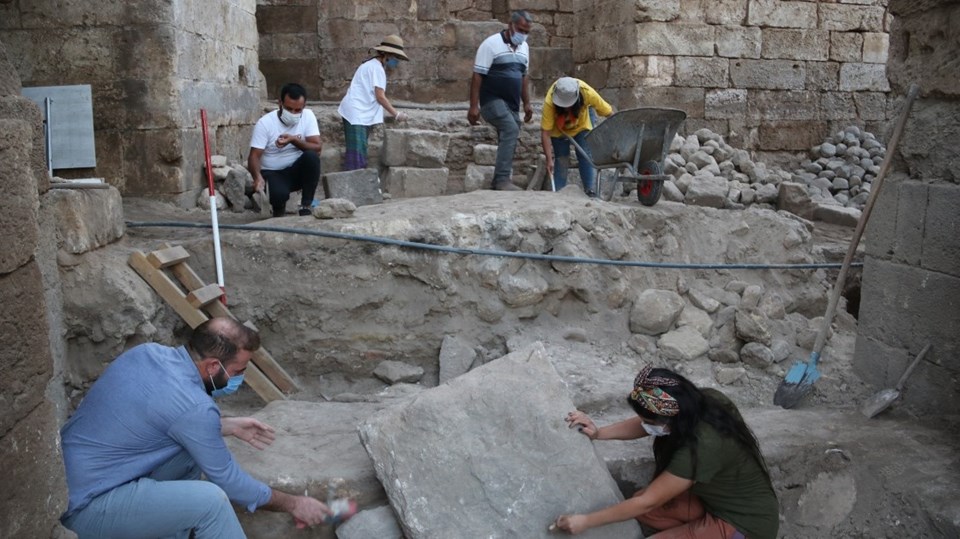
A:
(152, 67)
(911, 278)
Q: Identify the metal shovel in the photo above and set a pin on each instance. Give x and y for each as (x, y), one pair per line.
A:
(884, 398)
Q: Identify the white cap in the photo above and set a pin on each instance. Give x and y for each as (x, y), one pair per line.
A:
(566, 91)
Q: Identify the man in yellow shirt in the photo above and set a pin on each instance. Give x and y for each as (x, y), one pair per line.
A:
(570, 109)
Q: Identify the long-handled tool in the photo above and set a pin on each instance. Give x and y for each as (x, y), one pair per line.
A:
(884, 398)
(218, 259)
(800, 378)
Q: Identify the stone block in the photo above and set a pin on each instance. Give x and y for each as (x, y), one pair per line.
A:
(657, 38)
(733, 12)
(709, 72)
(456, 65)
(927, 156)
(477, 177)
(362, 187)
(721, 104)
(709, 191)
(641, 71)
(87, 218)
(690, 100)
(21, 108)
(824, 76)
(594, 73)
(154, 161)
(27, 366)
(18, 218)
(33, 471)
(485, 154)
(77, 13)
(279, 46)
(871, 106)
(838, 106)
(933, 70)
(471, 34)
(738, 41)
(791, 135)
(286, 19)
(415, 148)
(782, 14)
(805, 44)
(876, 47)
(279, 71)
(768, 74)
(941, 248)
(846, 46)
(500, 406)
(380, 522)
(836, 215)
(857, 77)
(408, 182)
(783, 105)
(849, 17)
(792, 197)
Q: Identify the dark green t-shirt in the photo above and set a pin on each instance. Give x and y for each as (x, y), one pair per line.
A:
(729, 481)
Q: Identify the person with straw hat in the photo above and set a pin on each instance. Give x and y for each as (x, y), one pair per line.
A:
(570, 108)
(366, 99)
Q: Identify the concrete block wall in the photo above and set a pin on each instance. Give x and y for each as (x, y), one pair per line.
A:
(771, 75)
(152, 67)
(911, 280)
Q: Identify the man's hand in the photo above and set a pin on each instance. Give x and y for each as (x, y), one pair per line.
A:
(258, 184)
(572, 524)
(583, 423)
(307, 511)
(527, 113)
(473, 115)
(248, 429)
(285, 139)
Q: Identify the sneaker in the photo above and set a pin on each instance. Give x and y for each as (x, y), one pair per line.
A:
(506, 186)
(305, 211)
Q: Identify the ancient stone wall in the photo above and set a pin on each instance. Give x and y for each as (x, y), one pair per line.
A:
(911, 280)
(31, 388)
(152, 67)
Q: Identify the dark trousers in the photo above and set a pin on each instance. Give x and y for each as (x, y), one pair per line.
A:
(303, 175)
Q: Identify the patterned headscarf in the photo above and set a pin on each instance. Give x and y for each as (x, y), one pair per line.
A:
(648, 393)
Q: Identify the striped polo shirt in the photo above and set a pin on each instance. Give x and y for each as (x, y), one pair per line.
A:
(503, 68)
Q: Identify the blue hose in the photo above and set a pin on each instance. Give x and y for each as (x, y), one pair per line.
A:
(482, 252)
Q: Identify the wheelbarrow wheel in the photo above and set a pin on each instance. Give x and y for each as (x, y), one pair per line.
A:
(648, 191)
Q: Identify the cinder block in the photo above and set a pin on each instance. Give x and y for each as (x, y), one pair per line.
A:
(415, 148)
(783, 105)
(726, 12)
(864, 77)
(846, 46)
(722, 104)
(407, 182)
(768, 74)
(738, 41)
(707, 72)
(791, 135)
(941, 247)
(782, 14)
(876, 47)
(850, 17)
(362, 187)
(642, 71)
(87, 218)
(806, 44)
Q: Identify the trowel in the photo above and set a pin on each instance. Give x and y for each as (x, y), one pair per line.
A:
(885, 397)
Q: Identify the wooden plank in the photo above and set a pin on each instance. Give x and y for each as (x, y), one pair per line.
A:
(165, 258)
(201, 297)
(259, 382)
(167, 289)
(261, 357)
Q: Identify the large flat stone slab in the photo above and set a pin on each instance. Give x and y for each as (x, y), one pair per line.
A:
(87, 218)
(488, 454)
(362, 187)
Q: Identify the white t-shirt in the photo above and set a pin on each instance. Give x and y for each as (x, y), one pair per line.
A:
(269, 128)
(360, 106)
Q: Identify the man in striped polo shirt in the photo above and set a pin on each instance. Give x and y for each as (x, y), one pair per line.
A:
(498, 85)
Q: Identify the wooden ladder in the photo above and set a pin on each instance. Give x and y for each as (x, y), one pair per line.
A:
(197, 302)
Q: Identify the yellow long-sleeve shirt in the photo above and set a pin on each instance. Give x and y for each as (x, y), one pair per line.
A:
(567, 124)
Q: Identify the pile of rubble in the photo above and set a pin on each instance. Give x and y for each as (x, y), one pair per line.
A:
(233, 186)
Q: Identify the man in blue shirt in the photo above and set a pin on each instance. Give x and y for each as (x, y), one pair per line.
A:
(135, 448)
(498, 84)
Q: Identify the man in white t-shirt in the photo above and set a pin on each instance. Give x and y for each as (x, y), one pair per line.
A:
(285, 151)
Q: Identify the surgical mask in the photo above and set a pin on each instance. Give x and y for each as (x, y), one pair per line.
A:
(392, 63)
(288, 118)
(656, 430)
(233, 384)
(517, 38)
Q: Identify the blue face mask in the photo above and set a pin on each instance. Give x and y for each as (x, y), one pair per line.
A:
(233, 384)
(517, 38)
(392, 63)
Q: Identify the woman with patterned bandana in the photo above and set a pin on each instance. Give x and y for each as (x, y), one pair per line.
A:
(711, 480)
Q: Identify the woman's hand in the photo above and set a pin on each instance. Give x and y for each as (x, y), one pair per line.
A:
(248, 429)
(572, 524)
(583, 423)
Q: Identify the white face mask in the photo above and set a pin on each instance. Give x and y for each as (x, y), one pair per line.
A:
(288, 118)
(656, 430)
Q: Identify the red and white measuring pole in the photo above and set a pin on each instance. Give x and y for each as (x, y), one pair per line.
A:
(213, 207)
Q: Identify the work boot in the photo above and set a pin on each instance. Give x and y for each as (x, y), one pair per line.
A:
(506, 186)
(305, 211)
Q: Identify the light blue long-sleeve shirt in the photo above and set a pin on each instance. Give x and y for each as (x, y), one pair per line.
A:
(149, 405)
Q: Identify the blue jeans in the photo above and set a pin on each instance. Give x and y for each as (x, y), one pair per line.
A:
(507, 123)
(170, 502)
(561, 162)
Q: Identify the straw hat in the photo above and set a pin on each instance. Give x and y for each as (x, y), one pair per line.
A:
(566, 91)
(392, 44)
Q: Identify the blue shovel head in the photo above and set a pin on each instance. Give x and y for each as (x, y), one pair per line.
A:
(797, 383)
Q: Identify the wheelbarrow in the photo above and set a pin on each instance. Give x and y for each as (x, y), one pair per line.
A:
(635, 142)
